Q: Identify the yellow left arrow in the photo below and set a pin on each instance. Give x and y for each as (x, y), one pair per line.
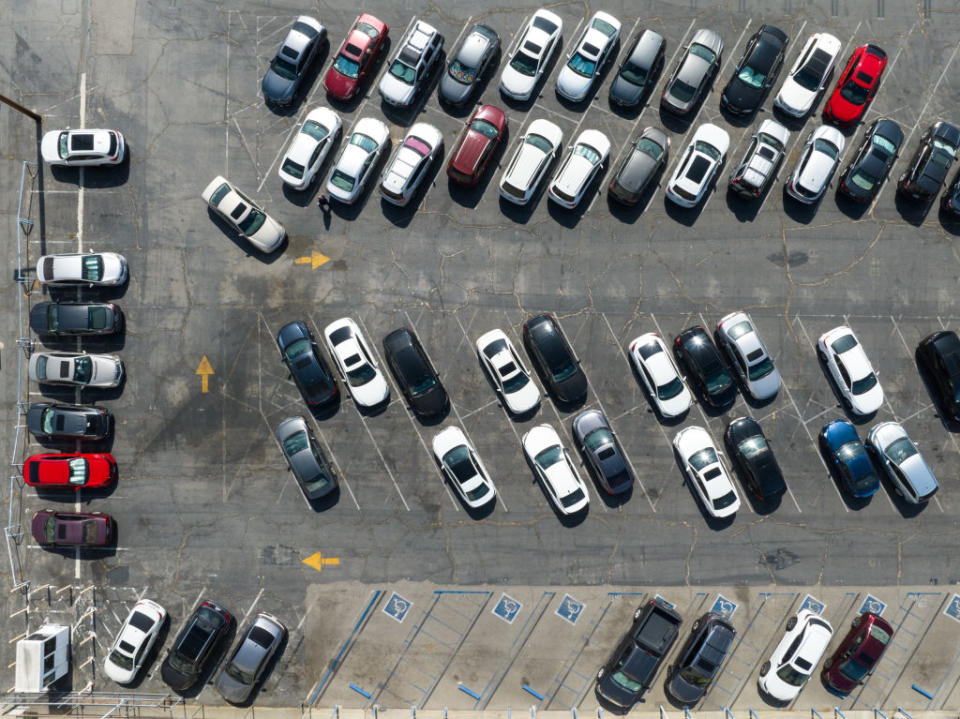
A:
(318, 561)
(204, 370)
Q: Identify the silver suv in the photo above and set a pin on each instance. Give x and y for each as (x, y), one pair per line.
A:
(761, 160)
(419, 51)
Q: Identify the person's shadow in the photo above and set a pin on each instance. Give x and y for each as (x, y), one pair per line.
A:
(324, 204)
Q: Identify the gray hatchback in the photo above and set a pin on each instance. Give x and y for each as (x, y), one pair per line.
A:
(602, 449)
(305, 458)
(639, 71)
(470, 62)
(646, 159)
(246, 665)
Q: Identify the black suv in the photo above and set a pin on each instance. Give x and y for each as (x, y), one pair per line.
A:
(756, 71)
(300, 353)
(929, 166)
(554, 358)
(755, 462)
(705, 369)
(938, 355)
(415, 374)
(195, 645)
(700, 658)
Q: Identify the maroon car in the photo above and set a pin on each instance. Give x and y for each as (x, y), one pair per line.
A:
(478, 142)
(70, 529)
(858, 653)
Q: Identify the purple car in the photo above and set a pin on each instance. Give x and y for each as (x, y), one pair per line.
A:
(70, 529)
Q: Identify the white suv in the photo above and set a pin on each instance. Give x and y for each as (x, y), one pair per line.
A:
(818, 162)
(418, 53)
(410, 163)
(796, 656)
(530, 162)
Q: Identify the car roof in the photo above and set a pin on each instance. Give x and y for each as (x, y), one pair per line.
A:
(648, 47)
(473, 48)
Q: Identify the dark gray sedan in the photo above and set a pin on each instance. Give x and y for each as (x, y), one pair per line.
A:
(602, 449)
(305, 458)
(292, 60)
(76, 318)
(471, 60)
(246, 665)
(694, 73)
(55, 421)
(640, 70)
(646, 159)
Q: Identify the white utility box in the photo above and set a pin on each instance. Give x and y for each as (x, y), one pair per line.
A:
(42, 658)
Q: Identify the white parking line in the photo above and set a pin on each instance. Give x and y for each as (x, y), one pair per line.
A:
(333, 458)
(255, 600)
(462, 30)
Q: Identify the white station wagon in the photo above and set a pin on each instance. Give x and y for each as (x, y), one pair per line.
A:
(410, 163)
(530, 162)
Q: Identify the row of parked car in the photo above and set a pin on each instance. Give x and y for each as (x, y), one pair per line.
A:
(633, 664)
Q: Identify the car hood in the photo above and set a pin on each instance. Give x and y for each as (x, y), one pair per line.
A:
(575, 172)
(395, 90)
(453, 91)
(741, 95)
(573, 83)
(373, 392)
(778, 689)
(231, 690)
(277, 88)
(470, 151)
(795, 97)
(683, 691)
(340, 86)
(516, 83)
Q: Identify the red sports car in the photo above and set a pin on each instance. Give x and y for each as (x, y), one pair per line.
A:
(70, 529)
(356, 56)
(478, 142)
(74, 470)
(858, 653)
(857, 85)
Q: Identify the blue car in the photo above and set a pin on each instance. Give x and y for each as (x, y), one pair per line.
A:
(850, 458)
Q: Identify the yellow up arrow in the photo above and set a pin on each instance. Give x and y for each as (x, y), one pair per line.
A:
(314, 260)
(204, 370)
(317, 561)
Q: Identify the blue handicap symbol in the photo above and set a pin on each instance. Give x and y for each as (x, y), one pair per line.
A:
(507, 608)
(953, 608)
(723, 606)
(669, 604)
(872, 604)
(813, 604)
(570, 609)
(397, 607)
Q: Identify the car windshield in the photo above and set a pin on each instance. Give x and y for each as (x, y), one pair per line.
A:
(82, 369)
(460, 463)
(365, 142)
(827, 148)
(46, 421)
(369, 30)
(315, 130)
(572, 498)
(49, 529)
(626, 682)
(751, 77)
(854, 93)
(864, 384)
(241, 676)
(900, 450)
(550, 456)
(524, 64)
(359, 376)
(702, 52)
(347, 67)
(724, 501)
(598, 438)
(752, 447)
(485, 128)
(791, 676)
(854, 670)
(633, 73)
(582, 65)
(539, 142)
(707, 149)
(766, 139)
(462, 73)
(515, 383)
(294, 169)
(295, 443)
(946, 147)
(284, 68)
(64, 146)
(252, 222)
(760, 369)
(593, 157)
(121, 660)
(682, 91)
(421, 384)
(78, 470)
(693, 677)
(670, 389)
(478, 492)
(704, 458)
(649, 147)
(402, 72)
(850, 451)
(342, 180)
(882, 143)
(92, 268)
(862, 180)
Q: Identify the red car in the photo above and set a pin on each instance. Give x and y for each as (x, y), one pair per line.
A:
(74, 470)
(356, 56)
(478, 142)
(858, 653)
(70, 529)
(857, 85)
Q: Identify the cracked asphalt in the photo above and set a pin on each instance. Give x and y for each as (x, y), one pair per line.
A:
(204, 503)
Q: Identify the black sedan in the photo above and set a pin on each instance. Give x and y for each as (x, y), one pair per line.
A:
(600, 445)
(554, 357)
(756, 72)
(705, 369)
(938, 355)
(47, 420)
(862, 178)
(700, 658)
(754, 459)
(76, 318)
(646, 160)
(415, 374)
(300, 353)
(928, 168)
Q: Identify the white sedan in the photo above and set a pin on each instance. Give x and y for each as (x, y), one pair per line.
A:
(796, 656)
(508, 372)
(809, 75)
(851, 370)
(592, 51)
(555, 470)
(531, 55)
(530, 162)
(82, 268)
(134, 641)
(660, 375)
(590, 150)
(78, 369)
(82, 147)
(243, 214)
(706, 472)
(355, 362)
(818, 161)
(463, 467)
(410, 163)
(738, 337)
(698, 167)
(357, 159)
(310, 147)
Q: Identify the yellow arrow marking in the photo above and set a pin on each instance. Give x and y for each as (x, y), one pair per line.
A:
(204, 370)
(314, 260)
(317, 561)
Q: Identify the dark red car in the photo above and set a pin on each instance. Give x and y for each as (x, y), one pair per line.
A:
(73, 470)
(478, 142)
(356, 56)
(857, 85)
(72, 529)
(858, 653)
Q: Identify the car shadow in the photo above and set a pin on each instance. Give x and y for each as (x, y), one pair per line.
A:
(741, 121)
(800, 212)
(852, 209)
(793, 124)
(913, 212)
(853, 503)
(479, 88)
(689, 215)
(570, 218)
(408, 115)
(376, 409)
(306, 83)
(949, 221)
(470, 197)
(401, 216)
(367, 87)
(715, 524)
(949, 424)
(248, 248)
(744, 209)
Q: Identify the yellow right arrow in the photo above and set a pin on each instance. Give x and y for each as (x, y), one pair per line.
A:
(204, 369)
(314, 260)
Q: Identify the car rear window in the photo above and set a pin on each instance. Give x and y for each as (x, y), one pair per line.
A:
(541, 23)
(261, 636)
(304, 29)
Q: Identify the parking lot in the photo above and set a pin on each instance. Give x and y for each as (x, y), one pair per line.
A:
(204, 504)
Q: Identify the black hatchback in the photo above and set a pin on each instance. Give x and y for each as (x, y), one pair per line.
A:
(755, 461)
(300, 353)
(863, 177)
(700, 658)
(928, 168)
(938, 355)
(552, 354)
(415, 374)
(756, 72)
(196, 645)
(705, 369)
(76, 318)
